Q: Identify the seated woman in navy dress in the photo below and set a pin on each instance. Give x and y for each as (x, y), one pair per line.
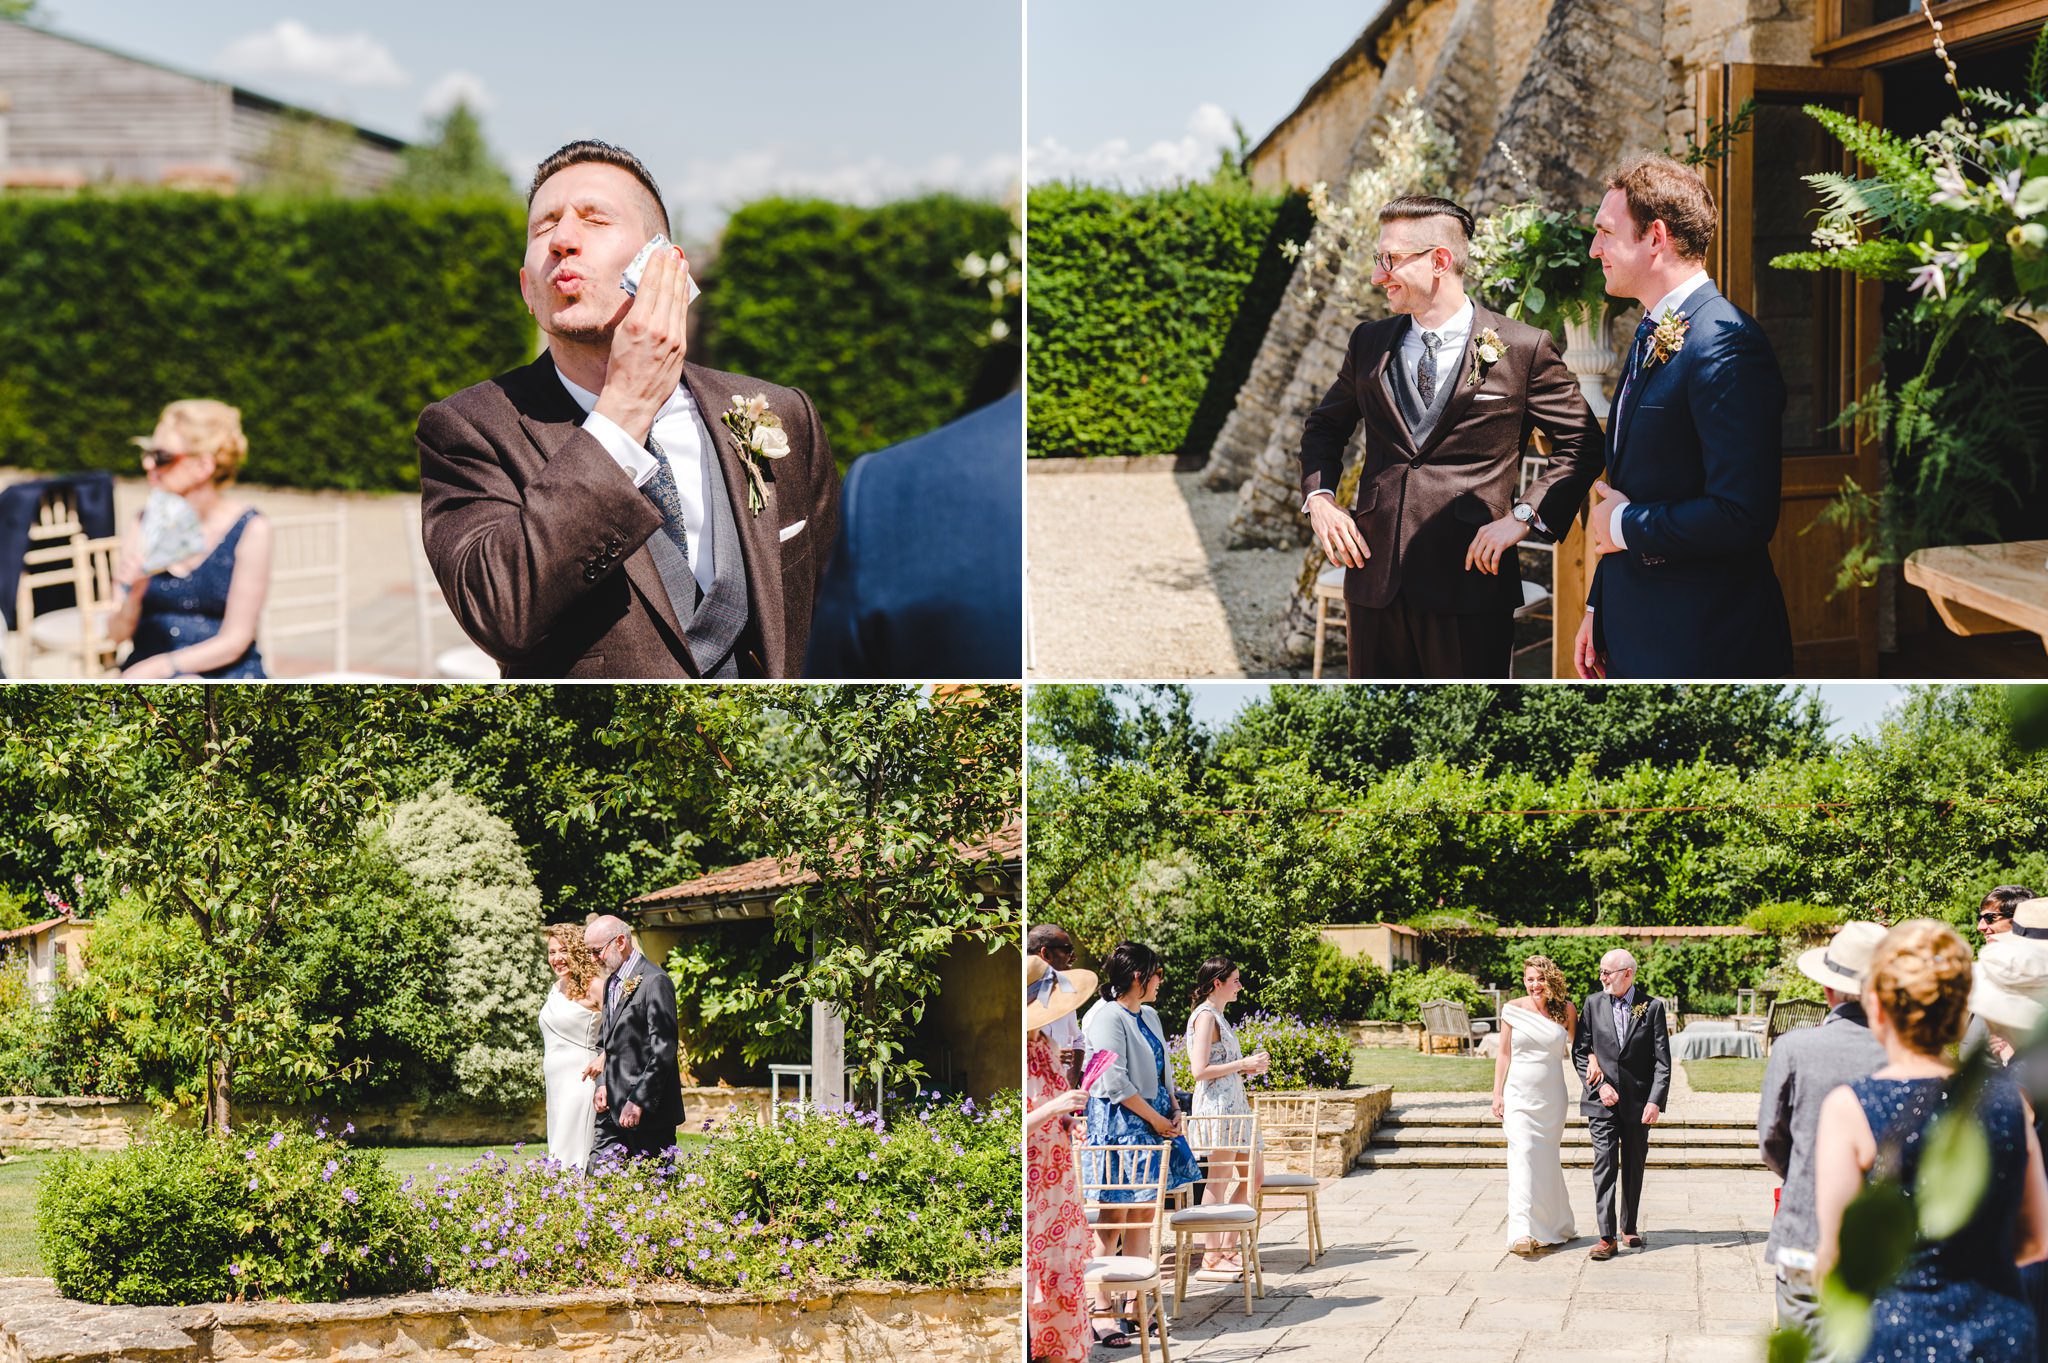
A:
(1958, 1298)
(196, 617)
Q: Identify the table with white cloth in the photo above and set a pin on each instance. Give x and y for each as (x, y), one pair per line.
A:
(1716, 1041)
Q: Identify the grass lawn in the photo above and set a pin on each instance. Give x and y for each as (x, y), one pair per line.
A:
(1413, 1072)
(19, 1256)
(1726, 1076)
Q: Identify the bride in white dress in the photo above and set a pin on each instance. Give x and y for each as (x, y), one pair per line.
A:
(1529, 1097)
(568, 1037)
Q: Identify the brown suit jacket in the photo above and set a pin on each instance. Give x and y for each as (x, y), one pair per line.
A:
(537, 535)
(1418, 508)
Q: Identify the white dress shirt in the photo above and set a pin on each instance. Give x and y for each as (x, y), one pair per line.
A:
(1449, 351)
(1668, 303)
(681, 437)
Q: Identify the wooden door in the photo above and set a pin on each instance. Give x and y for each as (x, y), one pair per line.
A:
(1824, 327)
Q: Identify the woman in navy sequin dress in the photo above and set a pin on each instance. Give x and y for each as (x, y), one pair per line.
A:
(1958, 1298)
(197, 618)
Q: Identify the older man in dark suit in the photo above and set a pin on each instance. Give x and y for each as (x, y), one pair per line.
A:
(640, 1097)
(1622, 1050)
(1685, 588)
(611, 510)
(1448, 392)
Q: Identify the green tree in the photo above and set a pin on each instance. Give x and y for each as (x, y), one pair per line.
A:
(455, 161)
(459, 854)
(228, 808)
(26, 11)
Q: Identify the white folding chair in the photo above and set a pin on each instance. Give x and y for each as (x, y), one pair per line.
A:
(1231, 1144)
(308, 582)
(1291, 1128)
(66, 642)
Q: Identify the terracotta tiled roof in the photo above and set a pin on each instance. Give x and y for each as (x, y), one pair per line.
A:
(1628, 932)
(34, 929)
(765, 875)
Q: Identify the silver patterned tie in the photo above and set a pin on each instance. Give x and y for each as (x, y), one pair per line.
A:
(1425, 373)
(661, 489)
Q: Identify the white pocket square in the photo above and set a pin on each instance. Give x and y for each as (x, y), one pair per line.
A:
(790, 532)
(1489, 397)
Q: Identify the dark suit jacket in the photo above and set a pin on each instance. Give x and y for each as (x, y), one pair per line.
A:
(1418, 508)
(537, 535)
(1637, 1062)
(1696, 450)
(638, 1034)
(915, 594)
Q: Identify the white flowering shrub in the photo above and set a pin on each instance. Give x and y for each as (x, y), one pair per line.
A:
(462, 855)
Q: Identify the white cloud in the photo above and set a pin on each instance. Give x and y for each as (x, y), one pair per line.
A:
(1191, 156)
(464, 86)
(706, 191)
(290, 48)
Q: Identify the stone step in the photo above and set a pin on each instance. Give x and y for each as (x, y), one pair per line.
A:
(1570, 1157)
(1403, 1134)
(1411, 1118)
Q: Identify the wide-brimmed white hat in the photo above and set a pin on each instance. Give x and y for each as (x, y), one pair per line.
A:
(1843, 963)
(1049, 996)
(2010, 984)
(2030, 919)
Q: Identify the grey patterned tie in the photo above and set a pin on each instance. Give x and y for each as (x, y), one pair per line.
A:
(661, 489)
(1425, 373)
(1637, 354)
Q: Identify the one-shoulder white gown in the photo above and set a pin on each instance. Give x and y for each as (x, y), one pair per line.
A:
(568, 1039)
(1533, 1110)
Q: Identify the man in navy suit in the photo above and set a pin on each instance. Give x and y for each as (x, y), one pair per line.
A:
(1683, 519)
(910, 594)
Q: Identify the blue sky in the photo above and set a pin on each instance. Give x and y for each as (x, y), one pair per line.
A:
(1142, 92)
(1853, 707)
(725, 103)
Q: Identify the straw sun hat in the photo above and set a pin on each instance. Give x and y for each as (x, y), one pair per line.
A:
(1074, 988)
(1843, 963)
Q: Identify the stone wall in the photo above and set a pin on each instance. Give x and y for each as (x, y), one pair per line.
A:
(109, 1124)
(874, 1322)
(1347, 1120)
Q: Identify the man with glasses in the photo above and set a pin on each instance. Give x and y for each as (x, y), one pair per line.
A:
(1994, 920)
(640, 1094)
(1622, 1051)
(1448, 392)
(1050, 943)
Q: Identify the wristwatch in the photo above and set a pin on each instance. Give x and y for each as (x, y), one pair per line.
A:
(1525, 513)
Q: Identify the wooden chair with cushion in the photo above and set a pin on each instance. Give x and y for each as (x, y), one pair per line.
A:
(1126, 1168)
(69, 641)
(1228, 1145)
(1331, 612)
(1443, 1018)
(1291, 1125)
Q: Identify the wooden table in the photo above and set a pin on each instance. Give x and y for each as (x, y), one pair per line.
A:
(1986, 588)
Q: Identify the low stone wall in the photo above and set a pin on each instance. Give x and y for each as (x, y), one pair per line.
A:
(1387, 1036)
(873, 1322)
(1347, 1121)
(110, 1124)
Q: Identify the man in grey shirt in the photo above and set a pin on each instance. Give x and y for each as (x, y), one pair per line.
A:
(1805, 1066)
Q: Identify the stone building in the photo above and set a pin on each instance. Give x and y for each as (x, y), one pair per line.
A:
(969, 1038)
(73, 113)
(1570, 86)
(48, 953)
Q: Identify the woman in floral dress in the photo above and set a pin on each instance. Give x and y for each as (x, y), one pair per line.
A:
(1220, 1065)
(1056, 1230)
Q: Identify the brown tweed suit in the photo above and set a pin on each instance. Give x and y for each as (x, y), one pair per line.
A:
(536, 534)
(1418, 508)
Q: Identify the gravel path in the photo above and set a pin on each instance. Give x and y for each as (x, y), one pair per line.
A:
(1129, 578)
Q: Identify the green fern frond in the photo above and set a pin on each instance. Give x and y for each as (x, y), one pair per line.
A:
(1885, 260)
(1891, 156)
(2037, 67)
(1863, 201)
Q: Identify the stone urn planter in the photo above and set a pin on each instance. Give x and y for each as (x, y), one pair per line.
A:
(1590, 355)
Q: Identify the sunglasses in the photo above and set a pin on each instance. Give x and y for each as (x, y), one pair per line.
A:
(1993, 917)
(154, 458)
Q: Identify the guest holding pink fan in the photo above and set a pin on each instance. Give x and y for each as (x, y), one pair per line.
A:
(1056, 1228)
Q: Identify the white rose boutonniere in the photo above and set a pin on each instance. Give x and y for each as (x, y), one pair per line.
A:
(626, 989)
(1638, 1011)
(1487, 350)
(758, 436)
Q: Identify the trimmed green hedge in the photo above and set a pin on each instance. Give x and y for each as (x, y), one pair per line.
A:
(1145, 312)
(865, 309)
(330, 323)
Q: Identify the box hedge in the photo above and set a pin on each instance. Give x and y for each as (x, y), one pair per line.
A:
(330, 323)
(866, 309)
(1147, 311)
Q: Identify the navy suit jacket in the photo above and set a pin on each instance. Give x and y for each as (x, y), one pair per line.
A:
(1696, 450)
(927, 579)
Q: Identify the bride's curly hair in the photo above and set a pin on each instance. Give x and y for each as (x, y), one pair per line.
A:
(1554, 1000)
(582, 965)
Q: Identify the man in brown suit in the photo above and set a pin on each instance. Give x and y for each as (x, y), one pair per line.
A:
(589, 514)
(1449, 392)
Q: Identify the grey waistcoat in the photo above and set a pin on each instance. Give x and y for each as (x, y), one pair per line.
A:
(1450, 372)
(1806, 1065)
(713, 619)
